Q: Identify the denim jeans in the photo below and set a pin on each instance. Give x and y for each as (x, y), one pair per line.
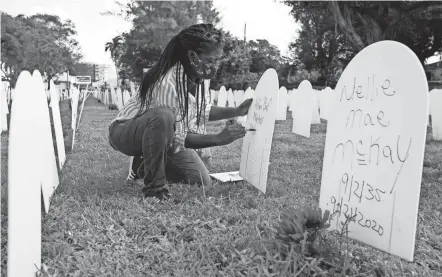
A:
(150, 136)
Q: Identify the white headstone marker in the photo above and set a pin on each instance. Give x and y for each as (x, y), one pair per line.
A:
(126, 96)
(74, 104)
(374, 147)
(212, 97)
(24, 183)
(132, 88)
(281, 111)
(239, 97)
(249, 94)
(292, 100)
(315, 108)
(436, 113)
(230, 99)
(57, 126)
(257, 144)
(48, 165)
(207, 94)
(324, 104)
(222, 97)
(4, 109)
(302, 109)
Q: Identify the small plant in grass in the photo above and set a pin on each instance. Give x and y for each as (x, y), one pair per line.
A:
(300, 229)
(344, 255)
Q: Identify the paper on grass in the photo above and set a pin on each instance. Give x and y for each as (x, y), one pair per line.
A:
(232, 176)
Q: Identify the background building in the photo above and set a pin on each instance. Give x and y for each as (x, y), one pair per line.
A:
(434, 75)
(102, 72)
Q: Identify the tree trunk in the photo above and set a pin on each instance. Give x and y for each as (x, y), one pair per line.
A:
(345, 24)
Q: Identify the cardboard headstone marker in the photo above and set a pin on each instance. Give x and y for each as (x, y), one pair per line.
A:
(374, 147)
(281, 110)
(24, 184)
(302, 109)
(132, 88)
(105, 96)
(293, 96)
(231, 98)
(436, 113)
(4, 109)
(315, 111)
(289, 94)
(429, 109)
(324, 104)
(48, 95)
(57, 126)
(126, 96)
(120, 102)
(74, 101)
(320, 97)
(212, 97)
(207, 95)
(239, 97)
(113, 97)
(256, 146)
(1, 129)
(248, 94)
(49, 174)
(222, 97)
(81, 109)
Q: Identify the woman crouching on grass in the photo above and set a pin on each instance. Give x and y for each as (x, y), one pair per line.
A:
(165, 122)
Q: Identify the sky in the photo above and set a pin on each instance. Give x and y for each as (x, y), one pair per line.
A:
(265, 19)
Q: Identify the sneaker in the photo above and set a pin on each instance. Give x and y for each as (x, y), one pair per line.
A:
(139, 183)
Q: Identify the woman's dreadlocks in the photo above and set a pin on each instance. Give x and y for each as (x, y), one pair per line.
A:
(200, 38)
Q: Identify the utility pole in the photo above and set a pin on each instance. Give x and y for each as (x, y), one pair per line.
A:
(245, 27)
(245, 52)
(68, 84)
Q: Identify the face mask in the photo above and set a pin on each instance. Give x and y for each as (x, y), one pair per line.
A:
(196, 68)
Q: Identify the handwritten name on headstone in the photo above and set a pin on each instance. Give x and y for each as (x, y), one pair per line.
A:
(374, 148)
(261, 107)
(256, 147)
(366, 149)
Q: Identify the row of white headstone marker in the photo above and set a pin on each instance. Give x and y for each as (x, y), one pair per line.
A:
(377, 119)
(113, 96)
(373, 154)
(309, 106)
(31, 144)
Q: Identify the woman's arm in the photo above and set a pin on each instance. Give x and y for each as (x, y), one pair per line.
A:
(230, 133)
(218, 113)
(197, 141)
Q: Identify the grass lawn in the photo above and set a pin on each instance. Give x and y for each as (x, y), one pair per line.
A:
(99, 226)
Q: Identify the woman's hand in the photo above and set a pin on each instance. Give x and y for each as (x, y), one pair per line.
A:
(243, 109)
(231, 133)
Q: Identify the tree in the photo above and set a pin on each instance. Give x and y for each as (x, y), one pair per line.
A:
(333, 32)
(320, 45)
(263, 55)
(358, 24)
(154, 24)
(115, 49)
(43, 42)
(415, 24)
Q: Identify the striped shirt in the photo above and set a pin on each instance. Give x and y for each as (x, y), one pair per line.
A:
(165, 94)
